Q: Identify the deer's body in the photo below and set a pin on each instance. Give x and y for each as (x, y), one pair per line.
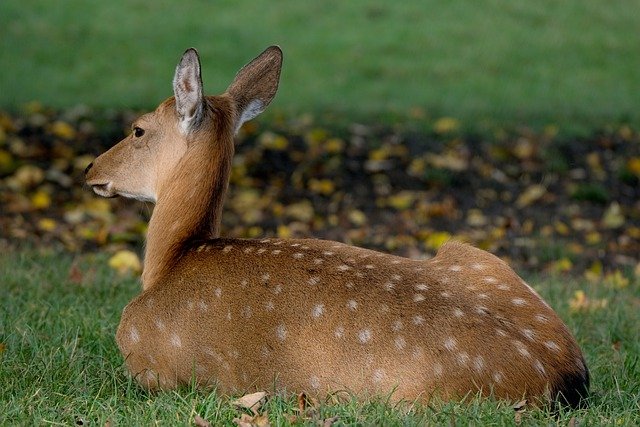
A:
(311, 315)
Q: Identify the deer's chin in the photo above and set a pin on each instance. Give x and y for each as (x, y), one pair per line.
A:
(104, 190)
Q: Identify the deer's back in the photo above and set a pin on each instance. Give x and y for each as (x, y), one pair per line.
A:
(319, 316)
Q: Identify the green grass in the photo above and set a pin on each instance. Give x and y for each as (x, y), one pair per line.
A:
(568, 62)
(60, 364)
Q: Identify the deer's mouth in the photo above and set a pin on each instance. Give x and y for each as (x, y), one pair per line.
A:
(104, 190)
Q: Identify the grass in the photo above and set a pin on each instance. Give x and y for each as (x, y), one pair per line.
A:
(60, 364)
(571, 62)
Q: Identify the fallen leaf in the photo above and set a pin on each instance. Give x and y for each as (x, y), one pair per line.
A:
(532, 194)
(251, 401)
(613, 217)
(445, 125)
(75, 274)
(3, 347)
(519, 409)
(247, 420)
(616, 280)
(328, 422)
(201, 422)
(125, 261)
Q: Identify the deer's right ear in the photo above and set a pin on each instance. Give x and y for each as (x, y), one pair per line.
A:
(187, 88)
(256, 84)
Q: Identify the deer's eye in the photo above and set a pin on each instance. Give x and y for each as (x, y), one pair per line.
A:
(138, 132)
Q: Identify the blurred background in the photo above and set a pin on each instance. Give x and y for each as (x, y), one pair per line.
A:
(517, 61)
(508, 123)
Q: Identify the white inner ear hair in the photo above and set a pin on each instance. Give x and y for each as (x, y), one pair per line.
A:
(254, 108)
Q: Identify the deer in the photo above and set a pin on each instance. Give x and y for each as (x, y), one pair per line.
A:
(309, 315)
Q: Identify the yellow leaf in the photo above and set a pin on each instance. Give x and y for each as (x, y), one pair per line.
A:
(402, 200)
(476, 218)
(580, 302)
(301, 211)
(563, 265)
(28, 175)
(47, 224)
(634, 165)
(593, 238)
(334, 145)
(322, 186)
(437, 239)
(562, 228)
(284, 232)
(446, 125)
(616, 280)
(594, 272)
(357, 217)
(63, 130)
(273, 142)
(613, 217)
(530, 195)
(40, 200)
(125, 261)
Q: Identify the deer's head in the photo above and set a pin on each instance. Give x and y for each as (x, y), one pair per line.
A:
(139, 166)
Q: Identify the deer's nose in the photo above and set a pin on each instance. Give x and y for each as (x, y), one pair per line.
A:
(88, 167)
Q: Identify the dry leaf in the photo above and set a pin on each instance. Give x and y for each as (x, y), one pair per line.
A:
(247, 420)
(75, 274)
(613, 217)
(328, 422)
(201, 422)
(251, 401)
(125, 262)
(530, 195)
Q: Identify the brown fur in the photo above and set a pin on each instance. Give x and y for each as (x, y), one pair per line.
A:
(316, 315)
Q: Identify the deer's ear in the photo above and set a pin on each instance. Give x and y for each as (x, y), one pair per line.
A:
(256, 84)
(187, 88)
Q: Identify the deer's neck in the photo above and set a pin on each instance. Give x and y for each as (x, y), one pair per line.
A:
(189, 208)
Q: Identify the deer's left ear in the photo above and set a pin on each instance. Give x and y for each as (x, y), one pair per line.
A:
(187, 88)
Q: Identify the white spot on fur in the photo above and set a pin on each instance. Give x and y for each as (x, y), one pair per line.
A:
(314, 280)
(318, 310)
(218, 292)
(327, 253)
(538, 366)
(134, 335)
(396, 325)
(478, 363)
(266, 277)
(277, 289)
(281, 332)
(389, 286)
(458, 313)
(400, 342)
(344, 267)
(503, 287)
(248, 250)
(438, 370)
(482, 310)
(396, 261)
(352, 305)
(295, 245)
(364, 336)
(159, 324)
(490, 279)
(418, 297)
(417, 353)
(528, 333)
(276, 251)
(378, 375)
(269, 305)
(176, 341)
(318, 261)
(445, 294)
(483, 296)
(450, 343)
(462, 358)
(227, 249)
(478, 266)
(551, 345)
(498, 377)
(246, 312)
(542, 318)
(518, 302)
(421, 287)
(501, 332)
(298, 255)
(370, 266)
(339, 332)
(418, 320)
(315, 383)
(202, 305)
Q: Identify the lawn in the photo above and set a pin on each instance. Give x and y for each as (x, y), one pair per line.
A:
(572, 62)
(60, 364)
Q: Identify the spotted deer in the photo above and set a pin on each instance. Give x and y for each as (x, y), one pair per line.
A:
(305, 314)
